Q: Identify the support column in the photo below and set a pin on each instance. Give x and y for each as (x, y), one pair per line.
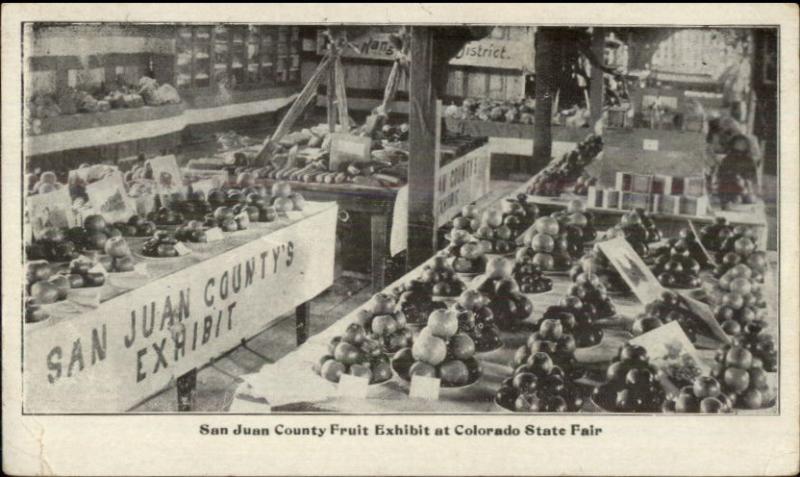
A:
(546, 44)
(596, 86)
(422, 161)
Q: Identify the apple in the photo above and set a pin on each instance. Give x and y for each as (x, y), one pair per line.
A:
(498, 267)
(421, 368)
(578, 219)
(739, 357)
(540, 364)
(454, 373)
(752, 399)
(62, 284)
(94, 223)
(384, 325)
(283, 204)
(37, 270)
(355, 334)
(381, 304)
(117, 247)
(737, 379)
(429, 348)
(402, 360)
(546, 225)
(551, 329)
(706, 386)
(443, 323)
(544, 261)
(471, 299)
(347, 353)
(758, 378)
(469, 211)
(711, 405)
(505, 287)
(462, 346)
(492, 218)
(542, 243)
(97, 240)
(281, 189)
(361, 371)
(332, 370)
(44, 292)
(744, 246)
(94, 279)
(381, 372)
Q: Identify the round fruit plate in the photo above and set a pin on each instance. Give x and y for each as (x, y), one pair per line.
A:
(444, 389)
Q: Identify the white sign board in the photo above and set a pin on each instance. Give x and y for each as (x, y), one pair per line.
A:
(459, 183)
(132, 346)
(53, 209)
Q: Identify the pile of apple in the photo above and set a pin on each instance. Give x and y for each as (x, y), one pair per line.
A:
(415, 301)
(677, 265)
(191, 231)
(160, 245)
(519, 213)
(743, 378)
(441, 278)
(668, 308)
(761, 345)
(385, 323)
(81, 273)
(136, 226)
(469, 256)
(284, 200)
(577, 319)
(576, 224)
(703, 395)
(41, 284)
(639, 229)
(476, 319)
(509, 307)
(739, 300)
(494, 236)
(741, 249)
(595, 262)
(631, 383)
(440, 351)
(226, 219)
(539, 385)
(551, 339)
(528, 275)
(356, 354)
(56, 245)
(550, 250)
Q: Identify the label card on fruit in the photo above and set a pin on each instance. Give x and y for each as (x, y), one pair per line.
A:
(424, 387)
(167, 175)
(109, 198)
(213, 234)
(182, 249)
(650, 145)
(353, 386)
(671, 351)
(631, 267)
(50, 210)
(703, 311)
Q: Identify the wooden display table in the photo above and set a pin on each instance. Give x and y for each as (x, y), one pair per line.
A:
(157, 324)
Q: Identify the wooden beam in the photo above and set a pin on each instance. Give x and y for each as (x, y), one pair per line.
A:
(596, 86)
(422, 161)
(545, 61)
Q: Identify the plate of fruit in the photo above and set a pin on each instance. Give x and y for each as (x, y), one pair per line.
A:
(440, 351)
(356, 354)
(441, 278)
(384, 322)
(476, 319)
(528, 275)
(631, 385)
(509, 306)
(538, 385)
(161, 245)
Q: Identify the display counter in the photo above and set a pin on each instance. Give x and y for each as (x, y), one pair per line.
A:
(290, 385)
(107, 349)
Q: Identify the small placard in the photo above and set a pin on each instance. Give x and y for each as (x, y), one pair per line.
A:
(650, 145)
(353, 386)
(167, 175)
(213, 234)
(632, 268)
(182, 249)
(671, 351)
(109, 198)
(424, 387)
(50, 210)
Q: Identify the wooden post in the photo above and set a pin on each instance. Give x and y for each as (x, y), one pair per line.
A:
(330, 90)
(596, 86)
(544, 65)
(422, 160)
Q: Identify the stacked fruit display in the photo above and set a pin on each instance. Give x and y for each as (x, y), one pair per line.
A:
(476, 319)
(593, 296)
(575, 224)
(704, 395)
(677, 264)
(284, 200)
(356, 354)
(441, 278)
(468, 255)
(539, 385)
(577, 319)
(509, 307)
(595, 262)
(529, 276)
(713, 235)
(225, 218)
(670, 307)
(160, 245)
(439, 350)
(415, 301)
(739, 300)
(639, 230)
(743, 378)
(551, 339)
(191, 231)
(82, 271)
(550, 251)
(740, 248)
(469, 220)
(519, 214)
(761, 345)
(56, 245)
(494, 236)
(563, 172)
(631, 384)
(385, 323)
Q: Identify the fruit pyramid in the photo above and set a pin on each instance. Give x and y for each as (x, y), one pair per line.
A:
(576, 223)
(539, 385)
(519, 213)
(494, 236)
(509, 306)
(595, 262)
(740, 249)
(671, 307)
(577, 319)
(415, 301)
(529, 276)
(639, 229)
(550, 249)
(743, 377)
(476, 319)
(441, 278)
(761, 345)
(739, 300)
(553, 340)
(441, 351)
(631, 383)
(678, 263)
(354, 353)
(385, 323)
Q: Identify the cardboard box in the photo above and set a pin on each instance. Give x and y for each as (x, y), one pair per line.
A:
(634, 200)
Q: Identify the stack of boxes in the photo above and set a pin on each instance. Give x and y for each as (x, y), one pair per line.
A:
(654, 193)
